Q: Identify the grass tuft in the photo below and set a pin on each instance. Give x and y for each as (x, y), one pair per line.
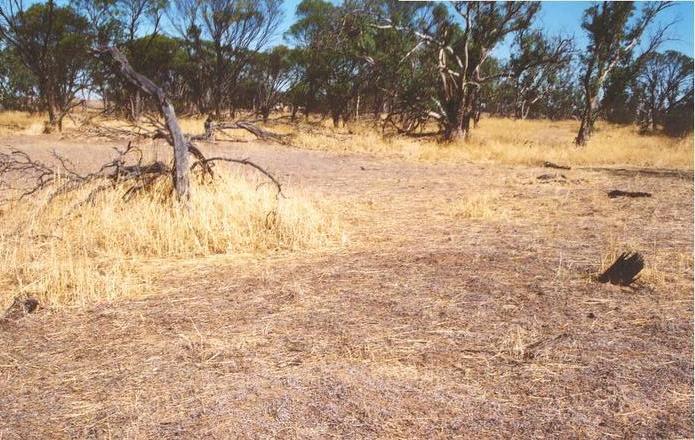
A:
(102, 251)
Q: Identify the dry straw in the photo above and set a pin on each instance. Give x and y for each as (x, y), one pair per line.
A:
(103, 250)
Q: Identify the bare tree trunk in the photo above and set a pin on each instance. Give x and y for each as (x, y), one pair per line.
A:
(181, 162)
(476, 112)
(52, 108)
(587, 124)
(584, 129)
(357, 109)
(525, 110)
(137, 106)
(460, 111)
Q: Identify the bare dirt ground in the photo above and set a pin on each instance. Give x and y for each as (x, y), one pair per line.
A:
(428, 324)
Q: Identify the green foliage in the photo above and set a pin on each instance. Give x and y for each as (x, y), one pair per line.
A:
(608, 60)
(160, 58)
(53, 44)
(17, 83)
(332, 41)
(405, 62)
(678, 118)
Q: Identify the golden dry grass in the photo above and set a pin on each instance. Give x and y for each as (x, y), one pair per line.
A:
(21, 122)
(485, 205)
(104, 250)
(507, 141)
(32, 124)
(429, 325)
(496, 140)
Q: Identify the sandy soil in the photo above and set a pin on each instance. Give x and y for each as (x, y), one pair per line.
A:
(427, 324)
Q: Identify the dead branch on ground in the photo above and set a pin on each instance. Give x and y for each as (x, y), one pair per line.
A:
(22, 176)
(34, 176)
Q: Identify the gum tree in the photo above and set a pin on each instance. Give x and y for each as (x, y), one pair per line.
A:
(612, 37)
(52, 42)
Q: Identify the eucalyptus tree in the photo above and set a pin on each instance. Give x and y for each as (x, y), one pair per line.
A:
(332, 42)
(458, 40)
(18, 89)
(535, 66)
(53, 44)
(223, 36)
(665, 79)
(271, 73)
(613, 34)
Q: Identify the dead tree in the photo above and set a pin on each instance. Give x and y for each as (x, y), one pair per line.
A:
(211, 127)
(460, 53)
(179, 143)
(23, 176)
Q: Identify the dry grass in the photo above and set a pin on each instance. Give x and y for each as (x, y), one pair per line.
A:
(499, 140)
(12, 122)
(484, 205)
(496, 140)
(659, 267)
(103, 250)
(429, 325)
(31, 124)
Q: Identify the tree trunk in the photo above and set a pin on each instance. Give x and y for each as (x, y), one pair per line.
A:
(524, 111)
(584, 130)
(476, 112)
(181, 166)
(136, 106)
(52, 109)
(587, 124)
(460, 111)
(357, 109)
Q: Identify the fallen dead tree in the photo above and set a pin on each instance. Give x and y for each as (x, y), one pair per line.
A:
(180, 169)
(22, 176)
(212, 127)
(555, 166)
(632, 194)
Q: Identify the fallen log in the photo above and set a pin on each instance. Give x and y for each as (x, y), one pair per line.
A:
(555, 166)
(634, 194)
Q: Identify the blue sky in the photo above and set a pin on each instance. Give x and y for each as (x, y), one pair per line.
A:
(560, 17)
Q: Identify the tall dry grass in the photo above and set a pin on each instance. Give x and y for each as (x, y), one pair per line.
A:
(14, 122)
(495, 140)
(508, 141)
(106, 250)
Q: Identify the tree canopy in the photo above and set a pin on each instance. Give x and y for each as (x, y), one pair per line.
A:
(406, 64)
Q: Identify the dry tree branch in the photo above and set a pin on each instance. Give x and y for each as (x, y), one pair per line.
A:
(24, 176)
(206, 163)
(181, 178)
(17, 165)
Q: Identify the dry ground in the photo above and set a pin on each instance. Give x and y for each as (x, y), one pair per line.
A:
(462, 306)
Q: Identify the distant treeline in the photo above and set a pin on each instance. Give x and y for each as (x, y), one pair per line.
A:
(406, 63)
